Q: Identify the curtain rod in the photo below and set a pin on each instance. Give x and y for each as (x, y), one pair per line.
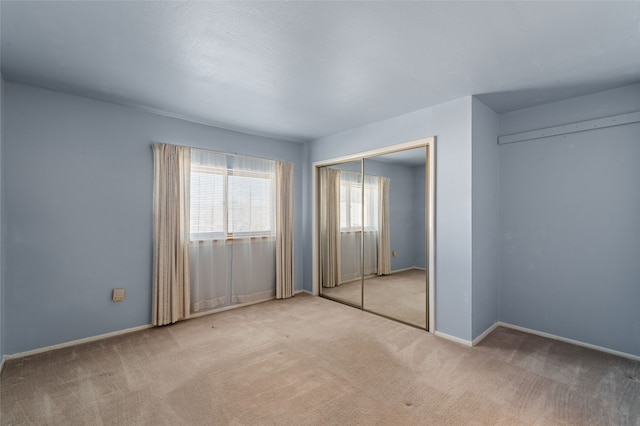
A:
(222, 152)
(582, 126)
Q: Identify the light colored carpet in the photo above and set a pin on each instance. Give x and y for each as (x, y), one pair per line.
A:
(401, 295)
(308, 360)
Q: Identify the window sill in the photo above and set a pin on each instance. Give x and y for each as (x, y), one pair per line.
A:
(231, 239)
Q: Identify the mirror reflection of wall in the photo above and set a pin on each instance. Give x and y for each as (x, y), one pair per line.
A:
(402, 294)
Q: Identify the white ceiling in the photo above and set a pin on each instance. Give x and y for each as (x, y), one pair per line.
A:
(303, 70)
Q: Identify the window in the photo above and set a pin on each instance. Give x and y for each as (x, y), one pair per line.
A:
(250, 203)
(231, 196)
(207, 212)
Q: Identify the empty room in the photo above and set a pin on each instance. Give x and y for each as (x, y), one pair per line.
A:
(318, 212)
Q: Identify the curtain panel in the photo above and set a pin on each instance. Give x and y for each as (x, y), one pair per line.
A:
(171, 288)
(223, 231)
(284, 230)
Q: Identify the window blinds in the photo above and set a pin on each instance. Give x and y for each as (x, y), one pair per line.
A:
(231, 196)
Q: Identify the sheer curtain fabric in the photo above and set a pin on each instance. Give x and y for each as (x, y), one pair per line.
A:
(208, 248)
(251, 208)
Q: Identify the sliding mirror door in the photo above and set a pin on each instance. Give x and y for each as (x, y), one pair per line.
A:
(395, 240)
(340, 232)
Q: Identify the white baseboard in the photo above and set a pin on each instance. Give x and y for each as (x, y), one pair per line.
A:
(76, 342)
(484, 334)
(227, 308)
(126, 331)
(453, 338)
(395, 271)
(571, 341)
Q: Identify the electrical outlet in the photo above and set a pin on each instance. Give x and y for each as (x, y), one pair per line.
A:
(118, 294)
(394, 253)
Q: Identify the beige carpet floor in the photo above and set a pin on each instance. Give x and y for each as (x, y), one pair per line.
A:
(309, 360)
(401, 295)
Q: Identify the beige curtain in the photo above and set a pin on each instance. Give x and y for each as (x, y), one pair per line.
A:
(384, 236)
(171, 176)
(330, 227)
(284, 230)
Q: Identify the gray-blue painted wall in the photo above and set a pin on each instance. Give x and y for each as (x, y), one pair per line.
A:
(78, 212)
(451, 123)
(418, 222)
(486, 221)
(570, 223)
(555, 196)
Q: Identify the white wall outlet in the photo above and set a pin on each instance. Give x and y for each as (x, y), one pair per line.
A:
(118, 294)
(394, 253)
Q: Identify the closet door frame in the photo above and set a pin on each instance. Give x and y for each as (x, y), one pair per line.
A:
(430, 144)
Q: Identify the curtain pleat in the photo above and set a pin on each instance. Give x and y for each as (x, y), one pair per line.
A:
(284, 230)
(171, 287)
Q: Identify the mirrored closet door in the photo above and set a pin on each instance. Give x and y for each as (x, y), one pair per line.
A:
(372, 239)
(395, 285)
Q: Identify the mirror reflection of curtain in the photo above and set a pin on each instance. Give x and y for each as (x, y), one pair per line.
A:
(330, 227)
(345, 219)
(360, 219)
(351, 228)
(384, 236)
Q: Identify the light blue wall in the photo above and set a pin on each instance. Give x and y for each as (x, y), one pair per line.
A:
(419, 217)
(451, 123)
(78, 187)
(486, 221)
(570, 223)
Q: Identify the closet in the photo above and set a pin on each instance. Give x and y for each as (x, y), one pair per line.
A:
(374, 239)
